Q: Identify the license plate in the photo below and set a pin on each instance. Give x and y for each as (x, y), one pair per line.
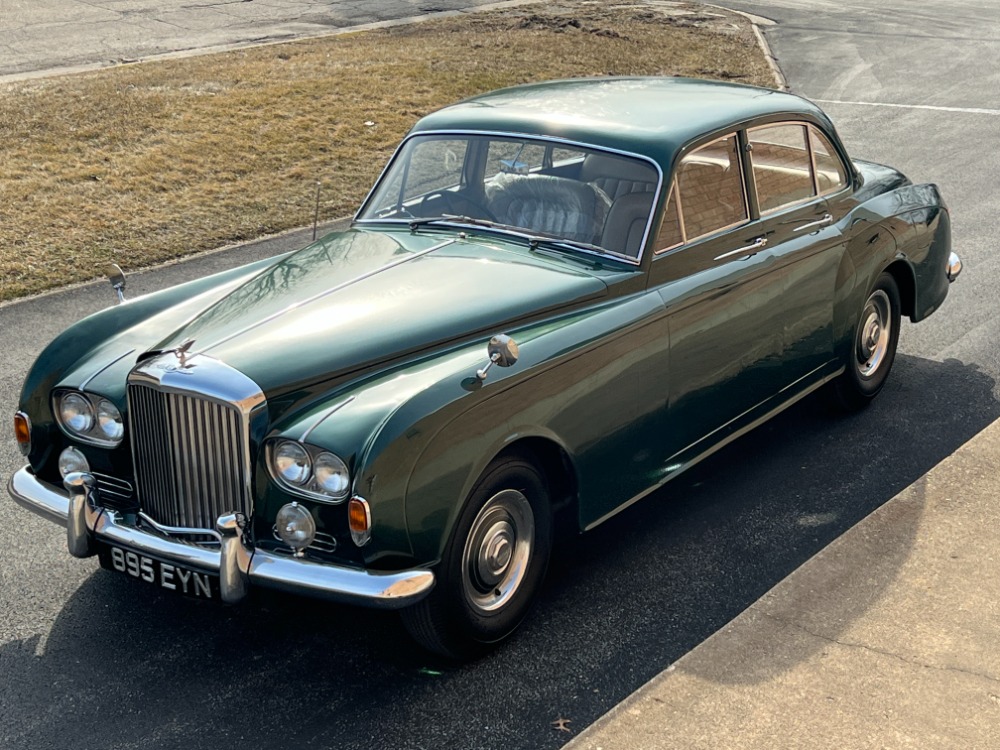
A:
(164, 575)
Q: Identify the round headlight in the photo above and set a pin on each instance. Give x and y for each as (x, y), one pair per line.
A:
(291, 462)
(331, 475)
(295, 526)
(71, 460)
(76, 412)
(109, 419)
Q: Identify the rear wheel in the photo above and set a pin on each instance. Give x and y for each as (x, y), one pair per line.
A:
(874, 347)
(492, 566)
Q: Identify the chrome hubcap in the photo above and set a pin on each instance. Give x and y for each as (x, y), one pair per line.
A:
(497, 550)
(874, 334)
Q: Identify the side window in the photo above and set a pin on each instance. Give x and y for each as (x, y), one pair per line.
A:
(707, 194)
(782, 168)
(830, 173)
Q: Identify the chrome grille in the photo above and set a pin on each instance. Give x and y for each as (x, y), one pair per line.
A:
(189, 457)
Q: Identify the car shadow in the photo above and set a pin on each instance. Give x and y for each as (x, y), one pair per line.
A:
(125, 665)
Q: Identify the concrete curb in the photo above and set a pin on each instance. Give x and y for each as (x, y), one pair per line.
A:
(756, 22)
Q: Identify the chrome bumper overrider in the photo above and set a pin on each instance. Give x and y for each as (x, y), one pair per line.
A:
(954, 266)
(236, 565)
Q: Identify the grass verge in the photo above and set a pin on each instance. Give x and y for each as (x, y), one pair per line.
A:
(145, 163)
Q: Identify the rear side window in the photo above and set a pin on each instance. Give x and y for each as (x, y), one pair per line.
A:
(782, 168)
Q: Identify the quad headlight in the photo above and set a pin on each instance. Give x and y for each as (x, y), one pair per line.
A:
(89, 418)
(310, 471)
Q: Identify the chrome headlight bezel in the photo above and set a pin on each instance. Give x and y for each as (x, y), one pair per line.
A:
(310, 487)
(94, 433)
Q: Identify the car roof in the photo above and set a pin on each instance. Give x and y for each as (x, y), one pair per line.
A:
(650, 116)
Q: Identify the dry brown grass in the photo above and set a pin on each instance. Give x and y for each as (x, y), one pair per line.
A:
(149, 162)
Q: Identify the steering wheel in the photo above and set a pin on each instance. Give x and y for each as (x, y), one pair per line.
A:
(450, 199)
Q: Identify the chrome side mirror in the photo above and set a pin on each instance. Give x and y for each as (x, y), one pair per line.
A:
(117, 278)
(502, 351)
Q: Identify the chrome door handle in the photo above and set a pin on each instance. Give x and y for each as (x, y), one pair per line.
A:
(750, 249)
(824, 222)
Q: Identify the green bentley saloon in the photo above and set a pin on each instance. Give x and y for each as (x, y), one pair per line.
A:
(555, 299)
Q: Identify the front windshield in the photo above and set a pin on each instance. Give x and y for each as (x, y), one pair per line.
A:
(550, 190)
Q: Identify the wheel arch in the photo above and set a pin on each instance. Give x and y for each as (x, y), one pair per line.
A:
(902, 272)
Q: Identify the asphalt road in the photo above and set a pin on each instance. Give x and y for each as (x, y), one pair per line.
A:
(89, 659)
(43, 34)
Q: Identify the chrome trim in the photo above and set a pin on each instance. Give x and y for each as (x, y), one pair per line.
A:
(826, 221)
(87, 438)
(302, 490)
(103, 368)
(82, 514)
(194, 404)
(954, 267)
(321, 295)
(24, 449)
(750, 249)
(178, 530)
(361, 538)
(544, 139)
(294, 575)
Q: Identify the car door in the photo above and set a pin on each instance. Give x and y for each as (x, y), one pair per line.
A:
(748, 296)
(802, 230)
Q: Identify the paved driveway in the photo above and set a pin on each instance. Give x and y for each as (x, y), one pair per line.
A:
(89, 660)
(42, 34)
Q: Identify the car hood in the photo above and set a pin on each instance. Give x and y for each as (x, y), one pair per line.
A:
(359, 298)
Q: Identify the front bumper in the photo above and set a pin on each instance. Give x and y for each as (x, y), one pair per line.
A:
(237, 566)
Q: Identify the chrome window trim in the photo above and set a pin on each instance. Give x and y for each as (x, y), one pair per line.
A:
(680, 202)
(528, 136)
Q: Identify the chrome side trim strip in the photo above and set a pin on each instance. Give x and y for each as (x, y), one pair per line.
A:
(294, 575)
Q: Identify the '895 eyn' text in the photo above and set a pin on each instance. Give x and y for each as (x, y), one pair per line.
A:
(162, 574)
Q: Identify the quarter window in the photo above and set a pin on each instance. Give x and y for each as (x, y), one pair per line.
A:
(830, 173)
(782, 168)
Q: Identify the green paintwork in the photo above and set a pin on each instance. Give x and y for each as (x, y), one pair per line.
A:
(627, 374)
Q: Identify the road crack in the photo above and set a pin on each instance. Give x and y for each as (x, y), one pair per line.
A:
(882, 652)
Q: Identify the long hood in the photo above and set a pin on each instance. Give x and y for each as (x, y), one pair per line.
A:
(360, 298)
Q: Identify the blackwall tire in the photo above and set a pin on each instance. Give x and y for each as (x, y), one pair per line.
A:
(493, 564)
(873, 347)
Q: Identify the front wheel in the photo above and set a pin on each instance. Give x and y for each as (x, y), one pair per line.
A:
(874, 347)
(492, 567)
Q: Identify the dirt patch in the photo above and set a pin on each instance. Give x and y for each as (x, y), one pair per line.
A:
(145, 163)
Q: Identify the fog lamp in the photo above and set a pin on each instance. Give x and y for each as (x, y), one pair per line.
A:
(359, 518)
(295, 526)
(22, 432)
(72, 460)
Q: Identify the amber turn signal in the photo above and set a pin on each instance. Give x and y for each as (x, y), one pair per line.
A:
(22, 432)
(359, 518)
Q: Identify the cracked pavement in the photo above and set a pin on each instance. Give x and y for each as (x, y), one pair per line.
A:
(42, 35)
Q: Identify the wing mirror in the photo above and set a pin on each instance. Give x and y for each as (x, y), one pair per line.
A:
(116, 276)
(502, 351)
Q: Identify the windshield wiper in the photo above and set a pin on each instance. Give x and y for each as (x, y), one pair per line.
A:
(450, 219)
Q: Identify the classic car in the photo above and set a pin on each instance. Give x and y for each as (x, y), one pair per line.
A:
(556, 298)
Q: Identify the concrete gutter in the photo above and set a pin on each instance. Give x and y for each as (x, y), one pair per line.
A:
(756, 22)
(885, 639)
